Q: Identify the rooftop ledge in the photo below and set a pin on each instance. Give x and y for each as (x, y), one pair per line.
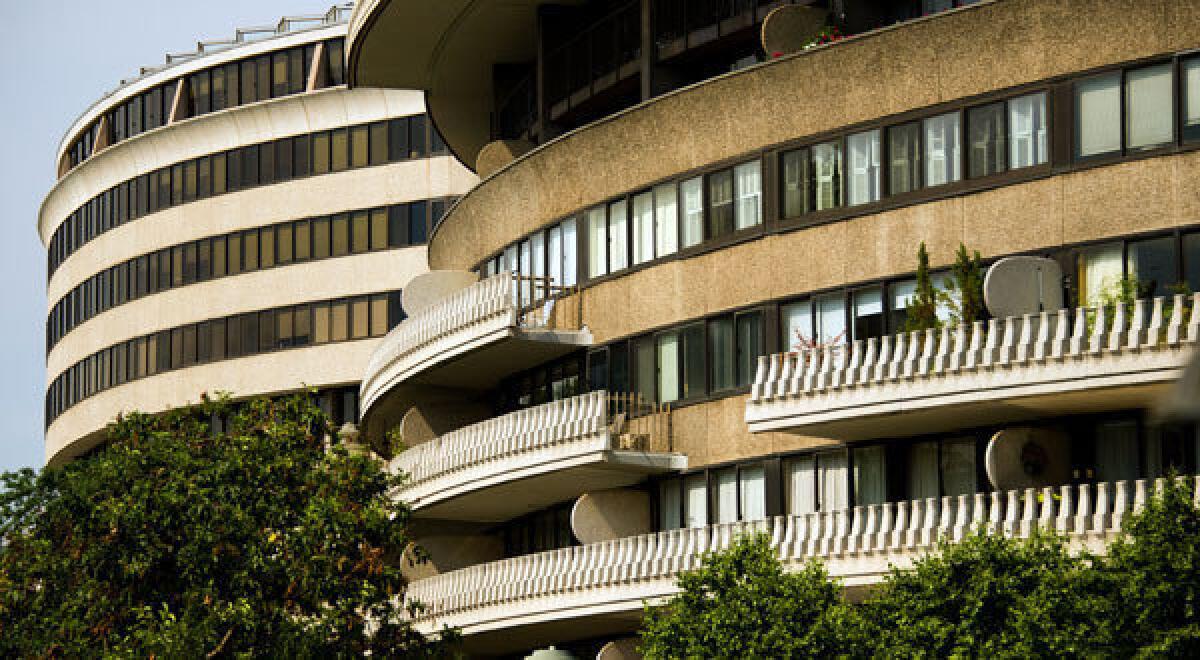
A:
(469, 339)
(507, 466)
(1004, 370)
(521, 595)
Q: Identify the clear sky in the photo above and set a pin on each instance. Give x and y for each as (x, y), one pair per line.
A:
(61, 55)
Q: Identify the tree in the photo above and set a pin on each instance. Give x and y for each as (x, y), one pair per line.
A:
(180, 539)
(966, 279)
(920, 312)
(741, 603)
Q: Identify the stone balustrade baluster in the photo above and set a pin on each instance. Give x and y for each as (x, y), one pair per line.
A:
(1137, 325)
(883, 360)
(1120, 326)
(1047, 517)
(849, 375)
(1156, 329)
(1029, 510)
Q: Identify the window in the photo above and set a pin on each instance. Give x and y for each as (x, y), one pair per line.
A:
(340, 228)
(724, 496)
(339, 150)
(379, 229)
(795, 183)
(870, 476)
(958, 469)
(904, 158)
(643, 227)
(942, 153)
(826, 176)
(797, 326)
(666, 220)
(868, 313)
(750, 346)
(816, 482)
(1116, 451)
(1099, 272)
(693, 211)
(1191, 260)
(862, 180)
(1149, 115)
(1027, 141)
(680, 364)
(721, 349)
(597, 242)
(752, 493)
(379, 143)
(748, 183)
(923, 467)
(320, 153)
(986, 136)
(618, 242)
(360, 232)
(720, 203)
(359, 147)
(1152, 263)
(831, 319)
(418, 225)
(670, 505)
(1098, 115)
(1191, 98)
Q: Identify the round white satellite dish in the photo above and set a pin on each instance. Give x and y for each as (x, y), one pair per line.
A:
(1019, 458)
(1015, 286)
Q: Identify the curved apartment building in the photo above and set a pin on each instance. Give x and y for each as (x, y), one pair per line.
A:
(675, 307)
(235, 220)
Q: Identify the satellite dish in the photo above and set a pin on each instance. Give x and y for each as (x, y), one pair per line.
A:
(1015, 286)
(788, 29)
(1019, 458)
(495, 156)
(610, 514)
(620, 649)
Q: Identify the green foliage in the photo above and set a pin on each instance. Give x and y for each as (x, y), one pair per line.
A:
(986, 596)
(921, 310)
(963, 292)
(741, 603)
(180, 541)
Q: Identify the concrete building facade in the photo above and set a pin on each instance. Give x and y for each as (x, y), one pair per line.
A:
(234, 220)
(676, 307)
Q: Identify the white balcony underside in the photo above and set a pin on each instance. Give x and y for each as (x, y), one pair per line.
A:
(584, 591)
(992, 395)
(504, 489)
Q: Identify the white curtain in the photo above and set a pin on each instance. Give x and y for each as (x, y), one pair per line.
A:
(1148, 98)
(570, 259)
(831, 319)
(643, 227)
(555, 259)
(1098, 115)
(870, 476)
(1191, 85)
(797, 325)
(693, 211)
(618, 237)
(753, 493)
(512, 264)
(943, 161)
(725, 500)
(863, 180)
(868, 303)
(668, 367)
(1027, 131)
(669, 504)
(666, 220)
(958, 466)
(832, 476)
(538, 245)
(748, 184)
(827, 165)
(923, 470)
(801, 486)
(597, 242)
(1116, 451)
(1100, 271)
(695, 501)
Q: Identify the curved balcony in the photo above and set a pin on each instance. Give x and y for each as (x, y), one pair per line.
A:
(527, 596)
(1004, 370)
(468, 340)
(524, 461)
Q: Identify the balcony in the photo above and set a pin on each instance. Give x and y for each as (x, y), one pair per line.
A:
(468, 340)
(999, 371)
(524, 461)
(533, 596)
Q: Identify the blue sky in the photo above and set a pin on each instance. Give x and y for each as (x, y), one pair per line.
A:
(61, 56)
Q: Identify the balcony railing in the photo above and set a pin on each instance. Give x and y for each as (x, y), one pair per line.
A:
(858, 545)
(1034, 355)
(594, 429)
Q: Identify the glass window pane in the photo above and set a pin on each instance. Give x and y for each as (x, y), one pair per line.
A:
(826, 173)
(379, 229)
(646, 370)
(904, 158)
(1191, 98)
(1099, 273)
(379, 316)
(923, 471)
(1117, 451)
(720, 203)
(670, 504)
(618, 242)
(1027, 131)
(303, 240)
(570, 253)
(360, 232)
(379, 143)
(832, 480)
(721, 350)
(267, 247)
(752, 493)
(360, 326)
(870, 476)
(831, 319)
(795, 183)
(748, 184)
(958, 466)
(320, 153)
(986, 135)
(250, 251)
(339, 321)
(1098, 115)
(1152, 264)
(868, 313)
(339, 146)
(359, 146)
(666, 220)
(283, 236)
(695, 501)
(320, 319)
(796, 324)
(320, 231)
(725, 496)
(340, 228)
(669, 367)
(643, 227)
(1191, 261)
(862, 178)
(942, 154)
(693, 211)
(749, 346)
(1149, 115)
(554, 256)
(800, 484)
(694, 374)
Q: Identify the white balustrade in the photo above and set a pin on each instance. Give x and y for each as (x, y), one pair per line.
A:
(1083, 513)
(542, 427)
